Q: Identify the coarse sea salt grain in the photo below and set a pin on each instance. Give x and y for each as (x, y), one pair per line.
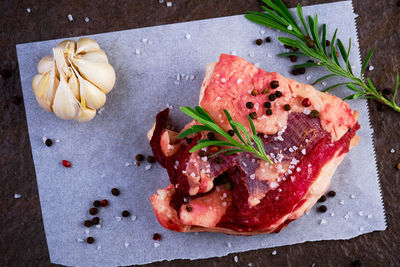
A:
(87, 231)
(133, 217)
(323, 221)
(148, 167)
(103, 175)
(324, 83)
(251, 54)
(250, 264)
(262, 32)
(169, 4)
(369, 216)
(371, 68)
(290, 27)
(126, 244)
(87, 19)
(360, 213)
(352, 196)
(79, 239)
(236, 258)
(28, 10)
(118, 218)
(239, 81)
(57, 140)
(70, 18)
(137, 51)
(17, 195)
(361, 228)
(127, 164)
(156, 245)
(144, 40)
(332, 214)
(341, 202)
(188, 36)
(274, 252)
(98, 247)
(392, 150)
(229, 244)
(308, 78)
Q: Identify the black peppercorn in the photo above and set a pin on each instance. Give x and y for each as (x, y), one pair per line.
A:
(286, 107)
(202, 153)
(322, 199)
(254, 92)
(268, 39)
(231, 132)
(156, 237)
(90, 240)
(96, 220)
(274, 84)
(356, 263)
(331, 194)
(88, 223)
(271, 97)
(264, 91)
(259, 42)
(151, 159)
(211, 135)
(287, 46)
(314, 114)
(139, 157)
(125, 213)
(268, 112)
(253, 115)
(5, 73)
(278, 94)
(96, 203)
(249, 105)
(16, 100)
(48, 142)
(218, 160)
(327, 43)
(322, 208)
(293, 58)
(188, 208)
(295, 72)
(386, 91)
(301, 70)
(267, 104)
(115, 191)
(310, 43)
(93, 211)
(189, 140)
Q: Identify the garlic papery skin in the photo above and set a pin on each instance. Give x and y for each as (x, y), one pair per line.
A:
(73, 83)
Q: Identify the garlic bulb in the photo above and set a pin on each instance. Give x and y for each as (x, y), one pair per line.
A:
(73, 83)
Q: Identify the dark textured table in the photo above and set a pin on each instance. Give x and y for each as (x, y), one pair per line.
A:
(22, 237)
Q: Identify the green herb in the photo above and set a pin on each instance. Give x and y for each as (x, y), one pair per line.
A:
(245, 144)
(278, 17)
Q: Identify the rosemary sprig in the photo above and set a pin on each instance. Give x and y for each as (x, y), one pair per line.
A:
(309, 42)
(249, 143)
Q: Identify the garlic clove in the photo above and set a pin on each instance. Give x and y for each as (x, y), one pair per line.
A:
(94, 97)
(86, 113)
(65, 104)
(61, 63)
(100, 74)
(68, 47)
(85, 44)
(45, 64)
(74, 85)
(44, 86)
(97, 55)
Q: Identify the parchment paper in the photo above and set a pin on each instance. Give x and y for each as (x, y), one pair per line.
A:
(146, 83)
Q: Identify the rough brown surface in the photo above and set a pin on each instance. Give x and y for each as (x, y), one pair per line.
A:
(22, 238)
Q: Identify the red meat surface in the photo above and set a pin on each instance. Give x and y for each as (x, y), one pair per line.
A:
(240, 194)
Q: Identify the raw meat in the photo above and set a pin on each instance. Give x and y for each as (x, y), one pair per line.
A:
(240, 194)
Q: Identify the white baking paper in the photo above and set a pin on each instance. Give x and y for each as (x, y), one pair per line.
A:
(146, 83)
